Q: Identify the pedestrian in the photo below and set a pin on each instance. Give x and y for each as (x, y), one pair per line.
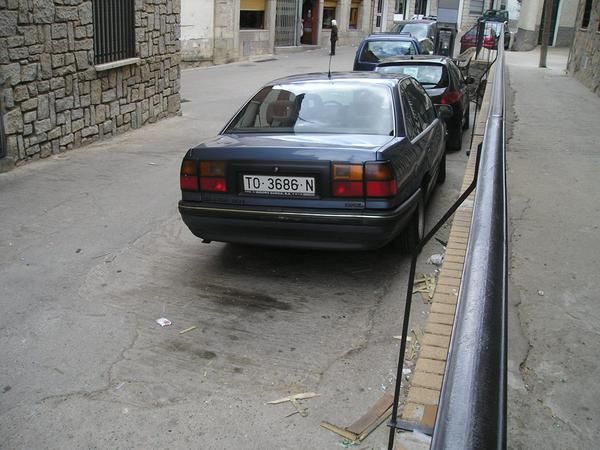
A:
(334, 36)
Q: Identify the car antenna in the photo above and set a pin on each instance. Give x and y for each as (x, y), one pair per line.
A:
(329, 70)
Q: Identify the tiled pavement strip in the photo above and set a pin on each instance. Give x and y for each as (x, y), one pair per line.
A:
(426, 382)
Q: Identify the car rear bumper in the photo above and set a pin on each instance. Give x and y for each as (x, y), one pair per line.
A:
(348, 230)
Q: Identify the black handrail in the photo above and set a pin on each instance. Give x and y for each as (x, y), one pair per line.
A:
(472, 407)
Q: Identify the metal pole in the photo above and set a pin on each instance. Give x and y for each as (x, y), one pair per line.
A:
(548, 13)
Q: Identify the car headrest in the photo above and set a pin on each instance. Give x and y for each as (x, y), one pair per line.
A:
(281, 112)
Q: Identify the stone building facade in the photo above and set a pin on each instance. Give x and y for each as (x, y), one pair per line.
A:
(54, 93)
(584, 57)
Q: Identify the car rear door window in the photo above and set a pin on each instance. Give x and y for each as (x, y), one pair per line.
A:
(421, 106)
(426, 108)
(456, 74)
(412, 120)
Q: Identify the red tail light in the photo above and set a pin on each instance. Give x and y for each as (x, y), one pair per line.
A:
(450, 97)
(212, 176)
(347, 180)
(188, 178)
(381, 181)
(489, 43)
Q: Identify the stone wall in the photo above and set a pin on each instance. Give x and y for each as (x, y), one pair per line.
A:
(584, 59)
(56, 99)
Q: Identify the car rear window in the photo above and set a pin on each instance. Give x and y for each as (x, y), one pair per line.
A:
(335, 106)
(418, 30)
(375, 51)
(428, 75)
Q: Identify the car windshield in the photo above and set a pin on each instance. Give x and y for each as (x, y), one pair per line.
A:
(346, 107)
(427, 75)
(374, 51)
(495, 26)
(418, 30)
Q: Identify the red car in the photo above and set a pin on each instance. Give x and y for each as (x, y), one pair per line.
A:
(490, 37)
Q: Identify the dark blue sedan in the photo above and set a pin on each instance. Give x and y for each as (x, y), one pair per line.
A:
(339, 161)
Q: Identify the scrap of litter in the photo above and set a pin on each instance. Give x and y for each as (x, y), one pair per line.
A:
(294, 397)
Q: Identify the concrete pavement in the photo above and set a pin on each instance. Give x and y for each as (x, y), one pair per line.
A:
(92, 251)
(554, 189)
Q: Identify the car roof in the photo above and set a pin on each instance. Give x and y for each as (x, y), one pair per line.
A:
(426, 21)
(390, 37)
(370, 77)
(416, 59)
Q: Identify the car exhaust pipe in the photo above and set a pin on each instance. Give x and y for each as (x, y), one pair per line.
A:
(206, 241)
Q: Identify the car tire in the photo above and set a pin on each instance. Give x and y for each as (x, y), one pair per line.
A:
(442, 170)
(414, 231)
(467, 116)
(454, 142)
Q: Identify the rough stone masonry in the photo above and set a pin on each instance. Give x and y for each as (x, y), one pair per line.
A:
(53, 97)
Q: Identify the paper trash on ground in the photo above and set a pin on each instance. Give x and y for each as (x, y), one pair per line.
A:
(163, 322)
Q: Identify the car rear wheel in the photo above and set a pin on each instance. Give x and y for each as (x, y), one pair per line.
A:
(414, 230)
(442, 170)
(455, 140)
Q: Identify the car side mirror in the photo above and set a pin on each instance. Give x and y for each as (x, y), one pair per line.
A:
(444, 111)
(469, 80)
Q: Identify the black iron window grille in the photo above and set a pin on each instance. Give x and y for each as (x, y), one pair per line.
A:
(2, 136)
(114, 30)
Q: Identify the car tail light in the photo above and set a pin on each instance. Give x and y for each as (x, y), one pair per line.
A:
(212, 176)
(347, 180)
(380, 178)
(489, 43)
(450, 97)
(188, 178)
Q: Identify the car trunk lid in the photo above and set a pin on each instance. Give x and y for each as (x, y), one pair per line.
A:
(286, 170)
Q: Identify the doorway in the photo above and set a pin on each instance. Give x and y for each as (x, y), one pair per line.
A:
(309, 19)
(555, 12)
(287, 31)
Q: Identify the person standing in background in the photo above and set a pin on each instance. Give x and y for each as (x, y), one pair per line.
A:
(334, 36)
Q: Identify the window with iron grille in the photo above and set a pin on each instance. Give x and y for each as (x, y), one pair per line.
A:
(476, 7)
(587, 11)
(114, 30)
(2, 137)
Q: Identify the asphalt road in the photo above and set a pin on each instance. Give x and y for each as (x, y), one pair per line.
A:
(93, 250)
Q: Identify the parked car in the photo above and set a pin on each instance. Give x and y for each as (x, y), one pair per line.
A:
(495, 15)
(379, 46)
(444, 83)
(490, 37)
(424, 30)
(496, 27)
(339, 161)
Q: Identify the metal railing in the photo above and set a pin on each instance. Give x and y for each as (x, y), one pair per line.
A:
(114, 30)
(472, 407)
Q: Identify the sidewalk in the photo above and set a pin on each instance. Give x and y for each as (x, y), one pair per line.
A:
(554, 208)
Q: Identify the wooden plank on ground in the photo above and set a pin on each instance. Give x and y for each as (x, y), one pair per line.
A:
(340, 431)
(371, 416)
(375, 424)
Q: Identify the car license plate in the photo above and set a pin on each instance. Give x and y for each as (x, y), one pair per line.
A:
(279, 185)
